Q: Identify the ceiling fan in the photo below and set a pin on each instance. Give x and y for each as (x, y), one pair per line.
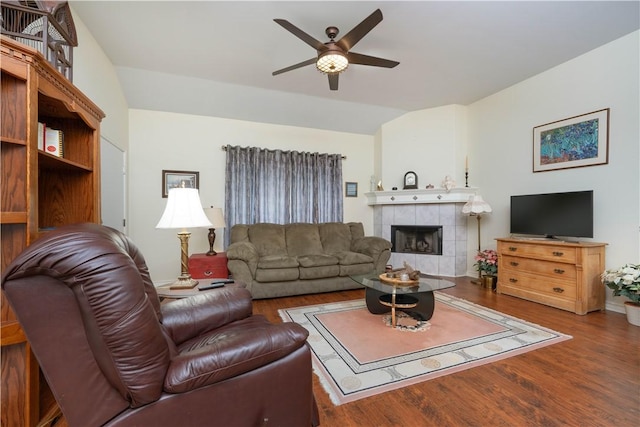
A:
(334, 56)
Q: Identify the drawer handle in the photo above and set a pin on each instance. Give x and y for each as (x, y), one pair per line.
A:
(558, 290)
(558, 253)
(514, 264)
(512, 280)
(513, 248)
(393, 198)
(208, 273)
(558, 270)
(415, 197)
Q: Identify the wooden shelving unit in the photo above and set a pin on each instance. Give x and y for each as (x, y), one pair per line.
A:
(38, 191)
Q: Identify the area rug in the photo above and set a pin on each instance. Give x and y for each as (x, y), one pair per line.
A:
(356, 354)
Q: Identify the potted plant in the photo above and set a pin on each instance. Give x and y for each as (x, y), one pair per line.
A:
(625, 281)
(487, 265)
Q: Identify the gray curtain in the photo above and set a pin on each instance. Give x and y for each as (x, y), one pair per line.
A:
(281, 187)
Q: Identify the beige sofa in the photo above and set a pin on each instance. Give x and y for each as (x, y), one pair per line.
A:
(276, 260)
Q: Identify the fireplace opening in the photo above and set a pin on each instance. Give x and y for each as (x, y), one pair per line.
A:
(417, 239)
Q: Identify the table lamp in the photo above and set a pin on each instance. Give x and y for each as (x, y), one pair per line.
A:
(184, 211)
(217, 220)
(475, 207)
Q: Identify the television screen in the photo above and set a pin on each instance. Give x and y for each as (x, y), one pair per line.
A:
(556, 214)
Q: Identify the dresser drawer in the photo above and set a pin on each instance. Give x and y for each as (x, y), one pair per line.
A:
(538, 284)
(532, 250)
(202, 266)
(555, 270)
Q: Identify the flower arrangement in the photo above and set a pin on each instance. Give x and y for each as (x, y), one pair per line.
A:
(625, 281)
(487, 262)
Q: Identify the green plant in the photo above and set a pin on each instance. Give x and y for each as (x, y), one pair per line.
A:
(625, 281)
(487, 262)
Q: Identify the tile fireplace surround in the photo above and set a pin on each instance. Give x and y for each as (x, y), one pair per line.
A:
(432, 207)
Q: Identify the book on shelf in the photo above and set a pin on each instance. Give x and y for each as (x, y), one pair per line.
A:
(53, 141)
(40, 136)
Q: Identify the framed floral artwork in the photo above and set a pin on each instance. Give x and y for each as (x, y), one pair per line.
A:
(571, 143)
(178, 179)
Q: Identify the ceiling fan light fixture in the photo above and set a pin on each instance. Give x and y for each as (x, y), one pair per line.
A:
(332, 62)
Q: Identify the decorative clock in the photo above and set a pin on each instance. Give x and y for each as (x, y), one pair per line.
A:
(410, 181)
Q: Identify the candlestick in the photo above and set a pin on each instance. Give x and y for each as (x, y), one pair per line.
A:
(466, 179)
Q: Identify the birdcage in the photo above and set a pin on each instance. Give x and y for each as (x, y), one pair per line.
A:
(46, 26)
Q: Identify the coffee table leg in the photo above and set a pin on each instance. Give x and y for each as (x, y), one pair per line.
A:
(372, 298)
(426, 304)
(424, 309)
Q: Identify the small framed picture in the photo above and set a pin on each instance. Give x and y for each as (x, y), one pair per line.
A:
(571, 143)
(179, 179)
(351, 189)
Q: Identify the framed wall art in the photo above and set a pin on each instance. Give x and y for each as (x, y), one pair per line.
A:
(571, 143)
(351, 189)
(177, 179)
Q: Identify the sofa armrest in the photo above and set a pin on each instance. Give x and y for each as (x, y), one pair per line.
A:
(246, 252)
(240, 351)
(376, 247)
(370, 245)
(190, 317)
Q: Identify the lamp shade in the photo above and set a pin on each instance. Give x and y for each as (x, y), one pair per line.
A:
(332, 62)
(183, 210)
(476, 205)
(215, 217)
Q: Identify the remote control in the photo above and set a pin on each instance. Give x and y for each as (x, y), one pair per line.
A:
(222, 281)
(213, 285)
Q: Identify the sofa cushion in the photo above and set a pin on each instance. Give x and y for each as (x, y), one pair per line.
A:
(319, 272)
(303, 239)
(335, 237)
(317, 260)
(352, 258)
(268, 239)
(350, 270)
(277, 261)
(277, 274)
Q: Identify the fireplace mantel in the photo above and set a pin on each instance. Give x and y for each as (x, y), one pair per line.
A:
(431, 195)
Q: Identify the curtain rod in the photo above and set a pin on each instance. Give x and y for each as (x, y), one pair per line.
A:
(224, 148)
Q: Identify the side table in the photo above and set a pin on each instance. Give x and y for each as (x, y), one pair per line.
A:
(202, 266)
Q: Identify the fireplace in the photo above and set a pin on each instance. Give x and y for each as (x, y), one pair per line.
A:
(417, 239)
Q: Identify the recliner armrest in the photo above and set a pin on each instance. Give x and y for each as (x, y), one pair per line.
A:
(242, 347)
(190, 317)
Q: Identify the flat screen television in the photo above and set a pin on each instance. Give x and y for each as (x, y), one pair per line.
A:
(567, 214)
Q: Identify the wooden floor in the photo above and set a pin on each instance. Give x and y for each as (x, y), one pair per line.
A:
(590, 380)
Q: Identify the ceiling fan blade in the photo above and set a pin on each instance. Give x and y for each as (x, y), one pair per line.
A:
(358, 58)
(316, 44)
(333, 81)
(359, 31)
(293, 67)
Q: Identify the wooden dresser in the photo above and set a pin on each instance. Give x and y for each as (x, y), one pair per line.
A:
(564, 275)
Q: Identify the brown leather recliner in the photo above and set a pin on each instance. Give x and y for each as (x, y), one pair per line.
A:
(113, 355)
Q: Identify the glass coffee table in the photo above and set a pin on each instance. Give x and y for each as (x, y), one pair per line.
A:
(416, 300)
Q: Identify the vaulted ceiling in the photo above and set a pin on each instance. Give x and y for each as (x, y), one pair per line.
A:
(215, 58)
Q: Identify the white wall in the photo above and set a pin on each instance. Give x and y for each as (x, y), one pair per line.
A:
(95, 76)
(160, 140)
(500, 146)
(432, 143)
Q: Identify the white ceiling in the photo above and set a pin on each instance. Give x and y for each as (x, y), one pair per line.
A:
(215, 58)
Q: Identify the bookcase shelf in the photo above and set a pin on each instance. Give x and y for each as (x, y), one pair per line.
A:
(38, 191)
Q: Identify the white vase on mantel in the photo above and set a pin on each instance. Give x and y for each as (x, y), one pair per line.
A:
(633, 313)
